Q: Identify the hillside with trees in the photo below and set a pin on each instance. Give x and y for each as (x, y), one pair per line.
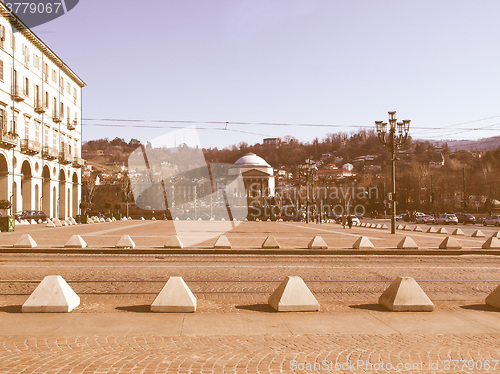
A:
(429, 177)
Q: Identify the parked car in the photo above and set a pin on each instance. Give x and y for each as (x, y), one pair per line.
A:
(402, 216)
(492, 220)
(355, 220)
(466, 218)
(447, 219)
(359, 215)
(31, 214)
(425, 219)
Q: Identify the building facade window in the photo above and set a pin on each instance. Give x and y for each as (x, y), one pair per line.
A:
(37, 131)
(3, 119)
(26, 86)
(45, 72)
(2, 36)
(26, 128)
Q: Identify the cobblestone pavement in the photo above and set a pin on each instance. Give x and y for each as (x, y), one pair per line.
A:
(239, 285)
(251, 354)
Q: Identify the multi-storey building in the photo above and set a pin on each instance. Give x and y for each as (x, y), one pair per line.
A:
(40, 124)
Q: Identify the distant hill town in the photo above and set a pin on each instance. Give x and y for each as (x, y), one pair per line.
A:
(431, 176)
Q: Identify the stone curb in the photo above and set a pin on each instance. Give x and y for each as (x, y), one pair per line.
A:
(254, 251)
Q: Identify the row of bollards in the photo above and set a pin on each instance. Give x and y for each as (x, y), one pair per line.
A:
(222, 242)
(54, 295)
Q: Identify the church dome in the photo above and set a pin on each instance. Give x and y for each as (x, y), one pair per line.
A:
(251, 159)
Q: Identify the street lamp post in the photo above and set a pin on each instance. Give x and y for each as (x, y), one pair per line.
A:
(393, 139)
(309, 168)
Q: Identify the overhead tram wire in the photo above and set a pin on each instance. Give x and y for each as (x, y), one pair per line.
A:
(225, 123)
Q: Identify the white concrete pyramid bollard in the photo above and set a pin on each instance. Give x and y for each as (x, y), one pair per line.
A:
(407, 228)
(125, 242)
(50, 224)
(222, 219)
(317, 243)
(113, 219)
(199, 219)
(245, 220)
(68, 222)
(363, 224)
(363, 243)
(108, 220)
(405, 295)
(64, 223)
(384, 227)
(33, 222)
(379, 226)
(270, 242)
(496, 235)
(75, 241)
(399, 227)
(176, 218)
(478, 234)
(129, 218)
(493, 299)
(442, 230)
(458, 232)
(450, 243)
(492, 243)
(188, 219)
(293, 295)
(432, 230)
(52, 295)
(175, 297)
(407, 243)
(90, 220)
(57, 222)
(173, 242)
(25, 241)
(153, 219)
(257, 219)
(417, 229)
(102, 220)
(222, 242)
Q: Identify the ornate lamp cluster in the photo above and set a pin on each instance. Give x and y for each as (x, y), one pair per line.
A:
(398, 131)
(393, 138)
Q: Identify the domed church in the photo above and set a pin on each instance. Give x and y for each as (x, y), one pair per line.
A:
(258, 175)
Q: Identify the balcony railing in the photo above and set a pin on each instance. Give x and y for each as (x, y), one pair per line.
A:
(56, 116)
(8, 139)
(30, 147)
(40, 106)
(72, 124)
(49, 153)
(18, 93)
(65, 157)
(78, 162)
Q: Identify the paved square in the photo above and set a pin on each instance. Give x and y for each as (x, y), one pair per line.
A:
(233, 330)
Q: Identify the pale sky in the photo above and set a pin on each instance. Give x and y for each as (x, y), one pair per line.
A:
(323, 62)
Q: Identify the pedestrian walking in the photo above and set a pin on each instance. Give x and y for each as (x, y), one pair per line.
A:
(349, 221)
(343, 220)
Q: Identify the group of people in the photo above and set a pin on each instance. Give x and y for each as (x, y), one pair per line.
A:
(348, 220)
